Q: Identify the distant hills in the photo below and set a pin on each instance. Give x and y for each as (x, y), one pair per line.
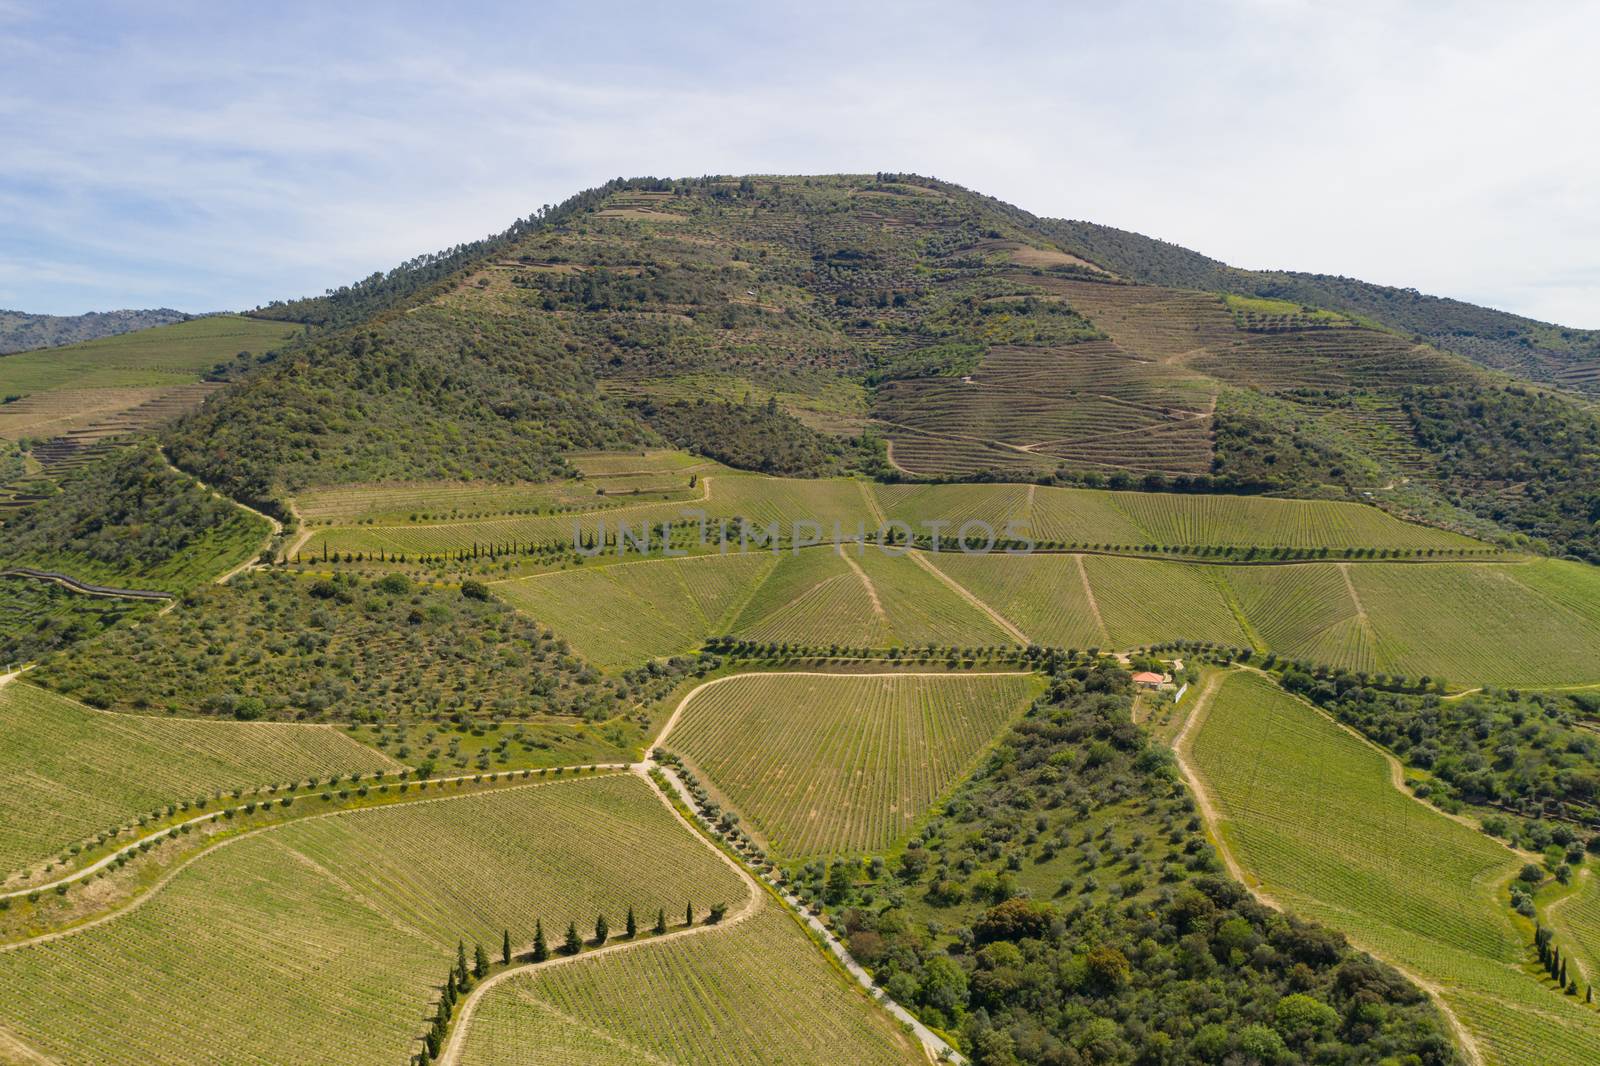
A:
(22, 332)
(910, 329)
(1538, 351)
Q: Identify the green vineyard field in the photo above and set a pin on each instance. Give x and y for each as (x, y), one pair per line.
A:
(346, 925)
(1312, 815)
(69, 771)
(847, 763)
(753, 993)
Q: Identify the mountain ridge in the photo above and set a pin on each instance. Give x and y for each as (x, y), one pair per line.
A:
(942, 333)
(21, 331)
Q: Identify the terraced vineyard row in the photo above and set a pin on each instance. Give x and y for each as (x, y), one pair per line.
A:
(1092, 402)
(757, 992)
(1045, 513)
(1309, 810)
(346, 925)
(1083, 516)
(618, 615)
(846, 763)
(1512, 623)
(67, 771)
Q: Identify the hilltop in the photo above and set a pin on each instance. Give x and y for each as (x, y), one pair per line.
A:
(910, 329)
(22, 332)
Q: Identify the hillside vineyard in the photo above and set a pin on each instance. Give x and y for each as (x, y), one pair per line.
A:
(802, 620)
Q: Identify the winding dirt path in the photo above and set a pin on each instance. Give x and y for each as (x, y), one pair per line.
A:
(920, 558)
(275, 527)
(1094, 604)
(1182, 746)
(450, 1054)
(872, 590)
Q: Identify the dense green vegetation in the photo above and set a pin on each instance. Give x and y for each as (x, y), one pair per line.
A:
(1528, 460)
(128, 519)
(758, 437)
(1066, 909)
(1532, 755)
(273, 645)
(41, 616)
(425, 396)
(1311, 812)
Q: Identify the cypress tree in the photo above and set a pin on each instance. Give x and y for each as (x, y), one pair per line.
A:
(541, 951)
(1562, 977)
(574, 943)
(633, 925)
(461, 957)
(602, 929)
(480, 962)
(505, 947)
(688, 914)
(661, 922)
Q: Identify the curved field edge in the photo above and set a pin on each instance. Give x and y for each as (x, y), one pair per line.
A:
(1311, 815)
(823, 762)
(68, 771)
(757, 993)
(345, 922)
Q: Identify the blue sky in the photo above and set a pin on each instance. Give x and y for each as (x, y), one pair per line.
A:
(222, 155)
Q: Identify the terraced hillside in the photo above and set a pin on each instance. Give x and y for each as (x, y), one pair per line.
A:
(1092, 404)
(1313, 818)
(347, 923)
(824, 764)
(413, 519)
(128, 520)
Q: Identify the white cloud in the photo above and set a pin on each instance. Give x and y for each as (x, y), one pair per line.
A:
(193, 152)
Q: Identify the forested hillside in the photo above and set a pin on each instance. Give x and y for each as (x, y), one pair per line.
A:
(906, 328)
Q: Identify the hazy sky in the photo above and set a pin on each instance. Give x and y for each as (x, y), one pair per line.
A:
(207, 156)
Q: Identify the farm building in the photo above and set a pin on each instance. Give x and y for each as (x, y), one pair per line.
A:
(1146, 679)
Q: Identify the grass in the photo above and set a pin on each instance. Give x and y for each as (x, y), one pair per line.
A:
(445, 517)
(1501, 623)
(1310, 812)
(69, 771)
(1506, 623)
(164, 355)
(822, 764)
(1098, 601)
(325, 940)
(758, 992)
(1092, 517)
(813, 597)
(621, 614)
